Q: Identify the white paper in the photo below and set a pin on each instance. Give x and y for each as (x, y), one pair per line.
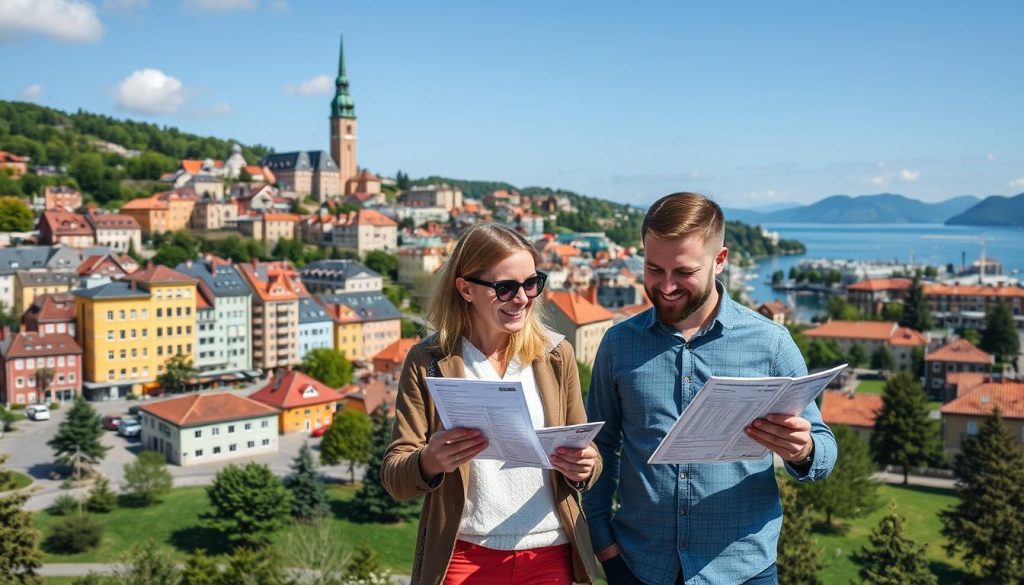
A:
(497, 409)
(572, 436)
(712, 427)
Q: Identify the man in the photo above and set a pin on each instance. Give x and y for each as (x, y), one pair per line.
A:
(711, 523)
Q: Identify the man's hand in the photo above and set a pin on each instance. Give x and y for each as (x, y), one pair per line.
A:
(607, 552)
(788, 436)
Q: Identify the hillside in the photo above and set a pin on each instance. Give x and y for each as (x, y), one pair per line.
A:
(995, 210)
(882, 208)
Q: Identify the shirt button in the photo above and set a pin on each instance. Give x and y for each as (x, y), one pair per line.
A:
(686, 379)
(682, 511)
(682, 475)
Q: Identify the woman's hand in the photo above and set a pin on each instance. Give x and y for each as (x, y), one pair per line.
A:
(447, 450)
(575, 464)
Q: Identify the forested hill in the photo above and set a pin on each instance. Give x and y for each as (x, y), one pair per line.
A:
(995, 210)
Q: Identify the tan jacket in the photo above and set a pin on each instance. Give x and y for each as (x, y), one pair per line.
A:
(416, 420)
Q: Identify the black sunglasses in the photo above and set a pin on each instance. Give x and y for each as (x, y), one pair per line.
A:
(506, 290)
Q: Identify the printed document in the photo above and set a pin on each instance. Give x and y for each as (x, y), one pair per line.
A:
(711, 429)
(497, 409)
(572, 436)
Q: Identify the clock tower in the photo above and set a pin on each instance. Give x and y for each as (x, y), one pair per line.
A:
(343, 125)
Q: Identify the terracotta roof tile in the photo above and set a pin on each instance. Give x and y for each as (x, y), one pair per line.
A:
(396, 352)
(372, 394)
(158, 273)
(1007, 292)
(145, 204)
(1008, 396)
(877, 284)
(293, 390)
(960, 351)
(857, 410)
(908, 336)
(34, 344)
(966, 381)
(870, 330)
(367, 217)
(577, 308)
(54, 307)
(202, 409)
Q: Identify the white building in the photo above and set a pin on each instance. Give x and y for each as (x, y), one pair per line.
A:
(223, 317)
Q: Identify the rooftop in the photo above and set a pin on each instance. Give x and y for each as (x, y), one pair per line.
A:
(960, 351)
(295, 389)
(854, 410)
(203, 409)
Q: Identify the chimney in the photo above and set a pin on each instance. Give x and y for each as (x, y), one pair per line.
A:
(188, 263)
(132, 285)
(5, 333)
(592, 292)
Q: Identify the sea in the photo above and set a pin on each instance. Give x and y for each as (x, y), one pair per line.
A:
(935, 244)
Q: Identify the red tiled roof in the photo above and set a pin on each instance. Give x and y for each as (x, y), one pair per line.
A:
(281, 217)
(374, 393)
(774, 307)
(366, 217)
(144, 203)
(282, 282)
(66, 223)
(966, 381)
(396, 352)
(53, 307)
(1008, 396)
(106, 264)
(157, 273)
(577, 308)
(293, 390)
(908, 336)
(877, 330)
(973, 291)
(34, 344)
(202, 409)
(960, 351)
(113, 221)
(877, 284)
(857, 410)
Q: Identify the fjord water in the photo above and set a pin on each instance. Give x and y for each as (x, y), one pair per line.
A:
(901, 242)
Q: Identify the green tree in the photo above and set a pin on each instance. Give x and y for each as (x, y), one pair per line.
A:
(849, 492)
(892, 312)
(43, 378)
(372, 503)
(1000, 336)
(309, 497)
(905, 434)
(409, 329)
(249, 503)
(778, 276)
(973, 336)
(101, 498)
(890, 558)
(915, 308)
(254, 566)
(200, 569)
(585, 371)
(76, 533)
(882, 359)
(824, 353)
(77, 442)
(987, 522)
(148, 564)
(329, 366)
(15, 216)
(799, 559)
(841, 309)
(20, 557)
(858, 356)
(178, 370)
(347, 439)
(383, 263)
(147, 478)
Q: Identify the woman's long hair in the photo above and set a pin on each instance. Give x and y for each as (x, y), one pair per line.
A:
(479, 248)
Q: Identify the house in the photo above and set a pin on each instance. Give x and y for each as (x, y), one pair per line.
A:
(376, 393)
(444, 196)
(13, 164)
(316, 328)
(61, 197)
(964, 306)
(275, 313)
(39, 367)
(581, 320)
(168, 211)
(963, 416)
(339, 277)
(365, 323)
(871, 295)
(417, 267)
(775, 311)
(856, 411)
(901, 341)
(364, 231)
(204, 428)
(32, 258)
(957, 356)
(305, 404)
(365, 183)
(211, 213)
(51, 313)
(109, 266)
(117, 231)
(28, 284)
(391, 359)
(65, 227)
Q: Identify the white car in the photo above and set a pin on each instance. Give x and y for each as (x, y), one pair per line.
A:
(38, 412)
(129, 427)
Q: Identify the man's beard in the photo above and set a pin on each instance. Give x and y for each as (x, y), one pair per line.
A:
(675, 314)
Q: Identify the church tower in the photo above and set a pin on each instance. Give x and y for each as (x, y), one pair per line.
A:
(343, 124)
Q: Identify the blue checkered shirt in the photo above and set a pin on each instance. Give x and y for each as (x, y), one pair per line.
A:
(718, 522)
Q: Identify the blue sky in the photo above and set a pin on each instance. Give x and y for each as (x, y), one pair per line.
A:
(751, 102)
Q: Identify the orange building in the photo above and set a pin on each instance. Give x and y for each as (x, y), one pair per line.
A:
(169, 211)
(305, 403)
(391, 359)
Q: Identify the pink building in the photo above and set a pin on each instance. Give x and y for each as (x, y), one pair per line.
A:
(23, 355)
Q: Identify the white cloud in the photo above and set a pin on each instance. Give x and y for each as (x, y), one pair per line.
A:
(1017, 183)
(31, 93)
(221, 5)
(150, 91)
(124, 5)
(877, 181)
(319, 85)
(909, 176)
(65, 20)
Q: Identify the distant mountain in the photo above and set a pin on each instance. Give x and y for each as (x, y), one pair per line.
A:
(882, 208)
(770, 207)
(994, 210)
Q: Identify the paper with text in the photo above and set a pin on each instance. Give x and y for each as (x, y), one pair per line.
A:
(711, 429)
(497, 409)
(551, 438)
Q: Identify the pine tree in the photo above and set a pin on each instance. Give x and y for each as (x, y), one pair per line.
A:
(347, 439)
(309, 498)
(20, 556)
(77, 442)
(366, 566)
(904, 432)
(890, 558)
(200, 569)
(799, 559)
(987, 523)
(882, 359)
(915, 308)
(1000, 336)
(101, 498)
(147, 478)
(372, 502)
(849, 492)
(249, 503)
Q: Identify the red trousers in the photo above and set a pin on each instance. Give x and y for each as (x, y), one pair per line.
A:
(472, 564)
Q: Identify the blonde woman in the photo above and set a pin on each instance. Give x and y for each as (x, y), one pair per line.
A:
(481, 524)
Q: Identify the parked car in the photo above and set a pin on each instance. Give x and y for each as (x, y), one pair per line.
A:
(133, 410)
(111, 422)
(129, 427)
(319, 431)
(37, 412)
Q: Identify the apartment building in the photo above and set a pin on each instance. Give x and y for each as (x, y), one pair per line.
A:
(275, 313)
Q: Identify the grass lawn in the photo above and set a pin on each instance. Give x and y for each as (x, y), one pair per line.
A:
(871, 386)
(18, 481)
(919, 507)
(175, 525)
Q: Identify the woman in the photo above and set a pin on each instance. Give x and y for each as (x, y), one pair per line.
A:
(480, 522)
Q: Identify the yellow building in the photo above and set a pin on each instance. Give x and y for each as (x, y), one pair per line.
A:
(169, 211)
(29, 284)
(305, 403)
(130, 329)
(348, 330)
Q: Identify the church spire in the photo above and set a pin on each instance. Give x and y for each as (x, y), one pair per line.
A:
(342, 106)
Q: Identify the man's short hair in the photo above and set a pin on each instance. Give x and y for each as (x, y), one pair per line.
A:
(681, 215)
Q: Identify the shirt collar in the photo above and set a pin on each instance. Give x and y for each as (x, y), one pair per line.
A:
(726, 314)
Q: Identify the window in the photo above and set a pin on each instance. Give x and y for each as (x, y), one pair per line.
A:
(250, 444)
(232, 447)
(199, 452)
(110, 336)
(133, 333)
(110, 355)
(266, 442)
(60, 360)
(264, 424)
(19, 364)
(145, 313)
(248, 426)
(122, 332)
(216, 450)
(145, 333)
(134, 314)
(231, 429)
(110, 315)
(199, 433)
(120, 315)
(215, 431)
(19, 382)
(71, 360)
(972, 428)
(71, 377)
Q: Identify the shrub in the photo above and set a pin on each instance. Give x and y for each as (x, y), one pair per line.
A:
(101, 498)
(54, 405)
(64, 505)
(74, 534)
